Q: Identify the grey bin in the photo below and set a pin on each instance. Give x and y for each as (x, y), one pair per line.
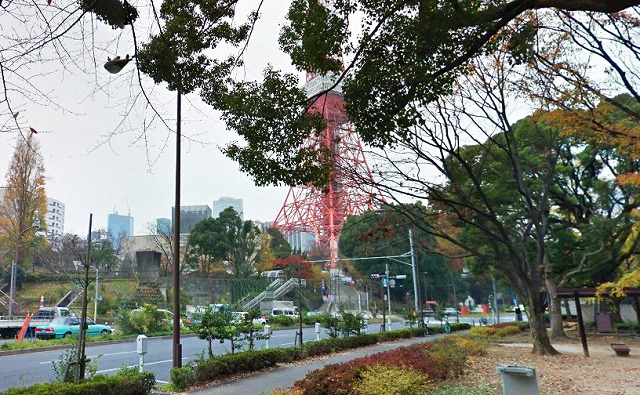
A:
(518, 380)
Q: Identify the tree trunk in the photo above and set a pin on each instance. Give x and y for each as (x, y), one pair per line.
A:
(540, 338)
(555, 312)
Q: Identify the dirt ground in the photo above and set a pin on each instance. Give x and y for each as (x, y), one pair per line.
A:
(603, 373)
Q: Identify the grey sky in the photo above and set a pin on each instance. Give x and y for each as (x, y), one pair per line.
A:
(95, 164)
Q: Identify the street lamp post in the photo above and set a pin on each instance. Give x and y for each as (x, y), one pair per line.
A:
(95, 300)
(114, 66)
(386, 273)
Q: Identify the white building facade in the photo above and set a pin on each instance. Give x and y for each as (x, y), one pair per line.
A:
(55, 218)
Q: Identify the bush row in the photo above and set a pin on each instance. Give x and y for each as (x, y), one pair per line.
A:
(500, 330)
(222, 366)
(128, 382)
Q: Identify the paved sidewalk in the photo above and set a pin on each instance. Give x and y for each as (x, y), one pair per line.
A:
(284, 376)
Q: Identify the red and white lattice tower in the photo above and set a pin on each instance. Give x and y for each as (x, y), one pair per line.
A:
(350, 190)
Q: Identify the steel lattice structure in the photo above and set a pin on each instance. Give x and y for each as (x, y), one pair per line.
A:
(351, 189)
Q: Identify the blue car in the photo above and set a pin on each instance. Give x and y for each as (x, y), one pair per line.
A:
(66, 326)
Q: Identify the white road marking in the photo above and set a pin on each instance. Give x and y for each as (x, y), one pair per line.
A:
(94, 356)
(135, 366)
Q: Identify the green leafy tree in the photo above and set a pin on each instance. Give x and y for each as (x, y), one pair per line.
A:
(280, 247)
(205, 325)
(407, 54)
(386, 233)
(226, 239)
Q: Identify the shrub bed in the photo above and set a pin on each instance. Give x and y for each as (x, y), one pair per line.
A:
(128, 382)
(222, 366)
(406, 370)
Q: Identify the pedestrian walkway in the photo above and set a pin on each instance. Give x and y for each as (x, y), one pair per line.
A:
(285, 376)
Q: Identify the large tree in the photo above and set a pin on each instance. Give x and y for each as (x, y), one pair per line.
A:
(386, 233)
(227, 241)
(24, 207)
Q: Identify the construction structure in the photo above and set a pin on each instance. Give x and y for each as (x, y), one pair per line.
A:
(321, 211)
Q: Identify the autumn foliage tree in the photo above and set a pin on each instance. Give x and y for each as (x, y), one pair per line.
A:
(24, 207)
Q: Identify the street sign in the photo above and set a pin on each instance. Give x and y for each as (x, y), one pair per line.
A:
(385, 281)
(392, 283)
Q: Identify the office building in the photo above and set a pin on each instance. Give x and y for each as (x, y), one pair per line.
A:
(190, 216)
(225, 202)
(119, 226)
(163, 226)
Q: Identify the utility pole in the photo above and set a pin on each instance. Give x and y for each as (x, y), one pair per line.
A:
(414, 268)
(82, 359)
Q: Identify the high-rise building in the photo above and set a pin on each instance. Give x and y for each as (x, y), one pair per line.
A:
(225, 202)
(190, 216)
(119, 226)
(55, 218)
(163, 226)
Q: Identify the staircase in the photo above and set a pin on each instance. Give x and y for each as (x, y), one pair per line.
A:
(271, 294)
(4, 296)
(69, 298)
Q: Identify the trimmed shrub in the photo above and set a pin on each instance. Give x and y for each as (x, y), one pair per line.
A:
(449, 357)
(127, 382)
(337, 379)
(414, 356)
(390, 380)
(477, 346)
(508, 331)
(484, 331)
(282, 320)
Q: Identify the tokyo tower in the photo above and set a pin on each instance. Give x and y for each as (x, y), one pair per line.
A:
(321, 211)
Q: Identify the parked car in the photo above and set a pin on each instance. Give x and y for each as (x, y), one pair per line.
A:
(241, 316)
(49, 313)
(288, 311)
(61, 327)
(450, 311)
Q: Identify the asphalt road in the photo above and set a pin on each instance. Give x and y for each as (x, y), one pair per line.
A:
(37, 367)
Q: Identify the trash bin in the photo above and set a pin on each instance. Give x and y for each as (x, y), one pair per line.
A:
(518, 380)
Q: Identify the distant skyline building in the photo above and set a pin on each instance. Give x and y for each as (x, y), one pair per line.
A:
(225, 202)
(55, 218)
(190, 216)
(163, 226)
(119, 226)
(301, 241)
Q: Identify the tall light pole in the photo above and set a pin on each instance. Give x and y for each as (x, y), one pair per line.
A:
(114, 66)
(95, 300)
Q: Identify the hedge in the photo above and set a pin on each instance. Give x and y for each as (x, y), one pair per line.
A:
(129, 382)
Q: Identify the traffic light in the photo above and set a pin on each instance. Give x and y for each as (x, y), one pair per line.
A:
(401, 277)
(375, 276)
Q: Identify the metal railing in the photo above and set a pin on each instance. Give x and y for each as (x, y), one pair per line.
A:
(270, 295)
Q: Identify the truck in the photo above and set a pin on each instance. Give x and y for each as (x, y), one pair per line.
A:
(9, 328)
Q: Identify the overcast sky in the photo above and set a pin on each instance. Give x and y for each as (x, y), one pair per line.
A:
(96, 165)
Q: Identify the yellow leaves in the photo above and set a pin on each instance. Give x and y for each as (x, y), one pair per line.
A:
(617, 289)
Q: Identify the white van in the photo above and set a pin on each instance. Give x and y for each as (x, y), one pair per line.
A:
(288, 311)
